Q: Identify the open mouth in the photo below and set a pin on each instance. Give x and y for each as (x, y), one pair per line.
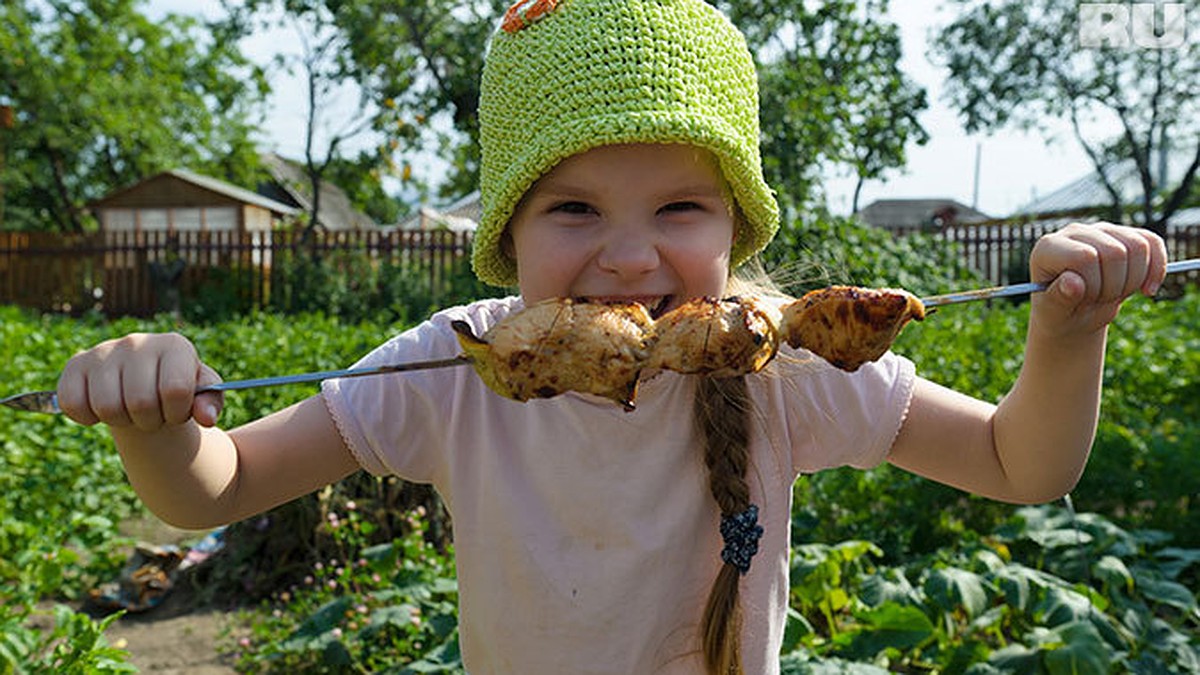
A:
(656, 305)
(659, 308)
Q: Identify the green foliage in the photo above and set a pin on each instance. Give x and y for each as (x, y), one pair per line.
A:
(832, 92)
(1014, 602)
(74, 646)
(351, 286)
(821, 249)
(104, 96)
(1141, 466)
(1019, 63)
(390, 607)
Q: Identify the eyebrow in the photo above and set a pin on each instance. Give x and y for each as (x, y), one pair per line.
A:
(557, 189)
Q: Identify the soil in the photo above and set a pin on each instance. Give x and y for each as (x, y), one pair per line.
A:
(173, 638)
(180, 635)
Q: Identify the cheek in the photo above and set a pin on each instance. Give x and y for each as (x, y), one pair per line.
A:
(545, 267)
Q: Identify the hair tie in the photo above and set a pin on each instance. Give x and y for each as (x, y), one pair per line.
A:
(741, 533)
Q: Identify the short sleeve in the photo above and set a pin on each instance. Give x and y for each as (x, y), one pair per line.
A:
(397, 423)
(834, 418)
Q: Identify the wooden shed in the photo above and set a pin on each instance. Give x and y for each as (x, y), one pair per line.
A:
(182, 201)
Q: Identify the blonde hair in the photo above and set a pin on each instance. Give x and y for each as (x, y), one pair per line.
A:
(723, 412)
(722, 415)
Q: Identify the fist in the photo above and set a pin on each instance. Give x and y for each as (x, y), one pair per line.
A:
(146, 381)
(1091, 269)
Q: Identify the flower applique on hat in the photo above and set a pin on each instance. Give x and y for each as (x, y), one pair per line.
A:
(525, 12)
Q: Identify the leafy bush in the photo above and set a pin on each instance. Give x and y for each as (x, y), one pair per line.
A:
(825, 249)
(1046, 593)
(354, 288)
(391, 605)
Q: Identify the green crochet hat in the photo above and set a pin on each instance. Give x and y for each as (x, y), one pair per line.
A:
(564, 77)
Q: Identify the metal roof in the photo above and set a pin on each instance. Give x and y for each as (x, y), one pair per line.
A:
(916, 213)
(1088, 192)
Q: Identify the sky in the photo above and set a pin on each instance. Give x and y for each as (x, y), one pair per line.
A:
(1014, 167)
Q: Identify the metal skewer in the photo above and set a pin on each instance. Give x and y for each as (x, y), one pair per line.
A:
(47, 401)
(1027, 288)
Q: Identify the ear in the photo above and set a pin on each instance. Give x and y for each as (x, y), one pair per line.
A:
(739, 220)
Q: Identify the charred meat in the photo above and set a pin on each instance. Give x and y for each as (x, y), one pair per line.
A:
(561, 345)
(848, 326)
(720, 338)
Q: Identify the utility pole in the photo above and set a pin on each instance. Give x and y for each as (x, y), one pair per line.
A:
(7, 122)
(978, 160)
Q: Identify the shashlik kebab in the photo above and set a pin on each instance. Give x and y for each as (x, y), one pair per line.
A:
(563, 344)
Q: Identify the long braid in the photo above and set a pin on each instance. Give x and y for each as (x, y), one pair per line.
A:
(722, 412)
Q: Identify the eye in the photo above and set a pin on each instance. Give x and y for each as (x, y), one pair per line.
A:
(680, 207)
(573, 208)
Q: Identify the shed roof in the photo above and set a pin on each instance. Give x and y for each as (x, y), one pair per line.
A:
(459, 216)
(293, 186)
(215, 186)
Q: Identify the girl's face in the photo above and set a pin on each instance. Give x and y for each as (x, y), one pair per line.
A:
(634, 222)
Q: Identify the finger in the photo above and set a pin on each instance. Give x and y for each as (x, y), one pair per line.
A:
(1157, 271)
(177, 385)
(72, 393)
(139, 389)
(1142, 248)
(1068, 289)
(1137, 263)
(1113, 260)
(105, 397)
(1071, 250)
(207, 406)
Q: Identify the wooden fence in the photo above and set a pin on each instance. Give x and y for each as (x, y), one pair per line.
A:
(128, 273)
(137, 273)
(999, 250)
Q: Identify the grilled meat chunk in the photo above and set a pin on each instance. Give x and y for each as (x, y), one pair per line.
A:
(561, 345)
(848, 326)
(720, 338)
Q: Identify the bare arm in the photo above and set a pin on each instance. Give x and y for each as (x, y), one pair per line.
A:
(1033, 446)
(186, 470)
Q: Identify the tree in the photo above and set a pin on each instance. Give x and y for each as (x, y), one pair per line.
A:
(104, 97)
(329, 72)
(428, 55)
(831, 87)
(832, 92)
(1022, 63)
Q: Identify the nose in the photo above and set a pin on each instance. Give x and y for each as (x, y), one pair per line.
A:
(629, 254)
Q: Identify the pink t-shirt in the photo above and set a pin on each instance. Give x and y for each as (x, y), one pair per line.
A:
(586, 538)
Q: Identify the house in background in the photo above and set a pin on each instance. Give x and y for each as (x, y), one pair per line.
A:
(906, 215)
(460, 216)
(179, 201)
(290, 185)
(1087, 197)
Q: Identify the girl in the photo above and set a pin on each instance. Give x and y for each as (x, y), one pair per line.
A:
(621, 161)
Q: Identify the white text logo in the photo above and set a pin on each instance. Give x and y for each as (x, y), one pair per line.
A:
(1147, 25)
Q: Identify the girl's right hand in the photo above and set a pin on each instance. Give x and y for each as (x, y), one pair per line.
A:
(145, 381)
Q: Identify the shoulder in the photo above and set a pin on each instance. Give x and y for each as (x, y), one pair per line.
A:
(434, 338)
(480, 315)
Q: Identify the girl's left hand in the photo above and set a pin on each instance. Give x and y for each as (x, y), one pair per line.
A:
(1092, 269)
